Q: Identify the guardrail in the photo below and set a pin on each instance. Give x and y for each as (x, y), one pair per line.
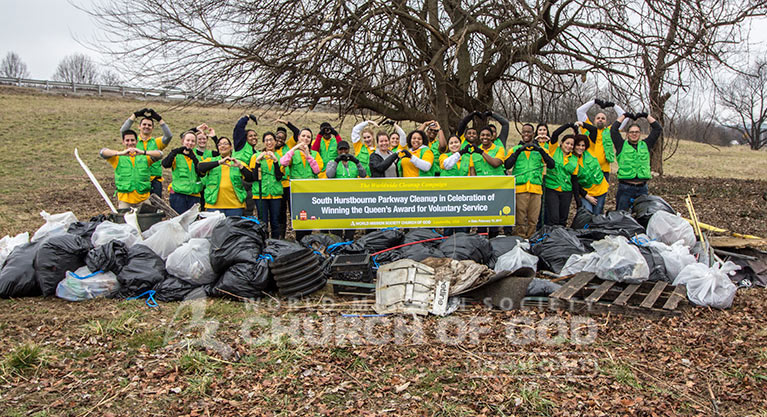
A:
(97, 88)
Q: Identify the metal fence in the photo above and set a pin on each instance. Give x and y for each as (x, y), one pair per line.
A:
(173, 94)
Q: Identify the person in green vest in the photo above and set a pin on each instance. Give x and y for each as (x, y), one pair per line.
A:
(526, 162)
(186, 185)
(223, 176)
(603, 148)
(303, 163)
(132, 170)
(345, 165)
(469, 135)
(488, 156)
(559, 180)
(245, 154)
(203, 132)
(591, 188)
(456, 162)
(148, 143)
(436, 141)
(416, 159)
(364, 143)
(267, 190)
(284, 143)
(325, 145)
(633, 158)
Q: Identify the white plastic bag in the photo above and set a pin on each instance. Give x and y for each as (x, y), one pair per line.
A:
(166, 237)
(191, 262)
(7, 244)
(204, 228)
(675, 257)
(580, 263)
(619, 261)
(55, 224)
(107, 231)
(84, 285)
(516, 259)
(183, 220)
(709, 286)
(669, 228)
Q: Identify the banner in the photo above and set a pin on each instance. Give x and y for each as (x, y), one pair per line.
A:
(377, 203)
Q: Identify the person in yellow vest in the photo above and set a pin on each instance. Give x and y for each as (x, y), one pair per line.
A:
(326, 144)
(457, 161)
(364, 143)
(267, 190)
(559, 180)
(148, 143)
(603, 148)
(223, 176)
(132, 170)
(436, 141)
(526, 162)
(591, 188)
(303, 163)
(633, 158)
(186, 185)
(416, 159)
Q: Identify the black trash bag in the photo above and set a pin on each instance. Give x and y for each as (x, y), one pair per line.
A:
(504, 244)
(417, 252)
(541, 288)
(656, 264)
(234, 241)
(468, 246)
(347, 248)
(381, 239)
(582, 219)
(279, 249)
(616, 223)
(320, 241)
(647, 205)
(17, 276)
(141, 273)
(99, 219)
(245, 280)
(175, 289)
(57, 255)
(83, 229)
(553, 245)
(109, 257)
(417, 235)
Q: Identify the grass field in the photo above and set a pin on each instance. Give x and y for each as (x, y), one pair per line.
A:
(113, 358)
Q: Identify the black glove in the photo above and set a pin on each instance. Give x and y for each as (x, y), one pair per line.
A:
(387, 122)
(478, 149)
(640, 115)
(608, 104)
(488, 114)
(630, 115)
(140, 113)
(353, 159)
(339, 158)
(153, 114)
(465, 150)
(406, 153)
(521, 149)
(253, 118)
(599, 102)
(333, 131)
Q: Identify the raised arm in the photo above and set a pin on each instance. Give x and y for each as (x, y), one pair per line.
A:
(504, 135)
(657, 129)
(592, 131)
(357, 131)
(615, 134)
(402, 136)
(239, 135)
(465, 123)
(581, 112)
(559, 131)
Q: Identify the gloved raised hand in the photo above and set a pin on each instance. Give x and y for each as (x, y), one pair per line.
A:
(353, 159)
(465, 150)
(599, 102)
(253, 118)
(140, 113)
(406, 153)
(339, 158)
(154, 115)
(641, 115)
(631, 116)
(478, 149)
(608, 104)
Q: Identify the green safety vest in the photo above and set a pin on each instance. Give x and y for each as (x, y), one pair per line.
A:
(155, 168)
(420, 173)
(434, 146)
(590, 172)
(347, 172)
(185, 178)
(269, 186)
(528, 168)
(213, 181)
(328, 153)
(483, 168)
(301, 170)
(559, 177)
(634, 163)
(364, 158)
(457, 171)
(130, 177)
(206, 154)
(244, 154)
(607, 144)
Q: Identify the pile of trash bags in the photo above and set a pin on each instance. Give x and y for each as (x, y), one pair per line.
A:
(206, 254)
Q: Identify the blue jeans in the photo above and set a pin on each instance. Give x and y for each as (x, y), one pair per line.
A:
(182, 202)
(228, 212)
(269, 212)
(595, 209)
(156, 188)
(626, 194)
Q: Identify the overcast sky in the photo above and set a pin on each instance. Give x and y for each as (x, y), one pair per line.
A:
(42, 32)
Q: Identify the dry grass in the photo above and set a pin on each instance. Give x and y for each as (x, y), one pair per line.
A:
(694, 159)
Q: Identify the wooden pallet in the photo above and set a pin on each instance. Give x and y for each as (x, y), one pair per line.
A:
(585, 293)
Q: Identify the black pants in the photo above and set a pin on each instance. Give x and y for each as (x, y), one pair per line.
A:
(557, 206)
(491, 231)
(284, 210)
(449, 231)
(156, 187)
(346, 234)
(607, 175)
(250, 204)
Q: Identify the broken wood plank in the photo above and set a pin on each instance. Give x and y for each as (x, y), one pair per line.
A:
(626, 294)
(600, 291)
(652, 297)
(679, 294)
(573, 286)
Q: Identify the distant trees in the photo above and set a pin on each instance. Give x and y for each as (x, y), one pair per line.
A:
(746, 98)
(110, 78)
(12, 66)
(77, 68)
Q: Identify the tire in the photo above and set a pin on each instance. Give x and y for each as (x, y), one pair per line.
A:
(309, 272)
(304, 292)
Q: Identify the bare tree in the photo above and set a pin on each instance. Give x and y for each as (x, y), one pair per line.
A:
(77, 68)
(746, 98)
(12, 66)
(110, 78)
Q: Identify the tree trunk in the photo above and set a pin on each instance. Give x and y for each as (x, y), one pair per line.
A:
(657, 110)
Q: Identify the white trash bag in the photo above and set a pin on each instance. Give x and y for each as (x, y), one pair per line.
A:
(7, 244)
(580, 263)
(710, 287)
(165, 237)
(84, 285)
(107, 231)
(517, 259)
(619, 261)
(55, 224)
(204, 228)
(676, 257)
(191, 262)
(669, 228)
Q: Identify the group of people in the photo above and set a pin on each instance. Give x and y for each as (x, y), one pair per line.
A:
(241, 175)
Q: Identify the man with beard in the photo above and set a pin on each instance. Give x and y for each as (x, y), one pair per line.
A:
(603, 149)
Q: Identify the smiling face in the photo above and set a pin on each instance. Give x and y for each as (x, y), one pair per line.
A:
(542, 131)
(634, 132)
(580, 148)
(600, 120)
(305, 137)
(146, 126)
(269, 142)
(567, 145)
(431, 132)
(454, 144)
(129, 141)
(367, 138)
(189, 140)
(383, 143)
(280, 139)
(393, 139)
(527, 133)
(202, 140)
(416, 141)
(487, 137)
(252, 137)
(224, 147)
